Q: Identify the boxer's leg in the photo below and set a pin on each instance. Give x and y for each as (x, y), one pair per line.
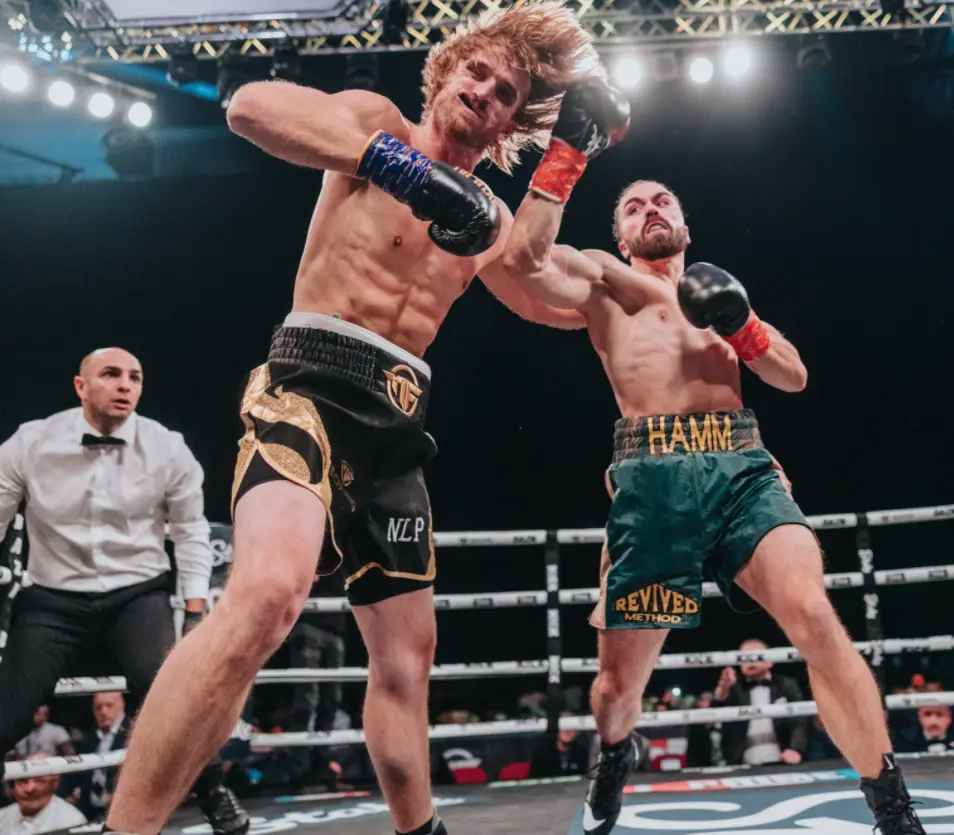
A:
(400, 634)
(627, 658)
(199, 693)
(767, 546)
(785, 576)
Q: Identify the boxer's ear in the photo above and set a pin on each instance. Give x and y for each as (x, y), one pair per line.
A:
(624, 250)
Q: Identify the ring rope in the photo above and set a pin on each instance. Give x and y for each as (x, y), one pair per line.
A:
(492, 669)
(570, 536)
(876, 518)
(521, 599)
(88, 762)
(60, 765)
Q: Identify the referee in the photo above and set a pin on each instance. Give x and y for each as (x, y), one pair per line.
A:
(100, 484)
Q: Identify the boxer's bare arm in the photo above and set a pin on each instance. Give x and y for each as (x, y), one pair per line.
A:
(781, 367)
(499, 279)
(560, 276)
(307, 127)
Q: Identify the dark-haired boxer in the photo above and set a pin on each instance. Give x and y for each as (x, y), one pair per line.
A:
(694, 491)
(335, 438)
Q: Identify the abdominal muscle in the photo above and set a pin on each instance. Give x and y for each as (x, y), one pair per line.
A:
(370, 262)
(657, 363)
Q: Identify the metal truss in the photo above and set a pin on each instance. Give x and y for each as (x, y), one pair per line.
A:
(610, 22)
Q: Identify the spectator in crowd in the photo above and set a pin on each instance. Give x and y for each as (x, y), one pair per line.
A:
(820, 745)
(760, 741)
(557, 755)
(94, 789)
(705, 741)
(317, 642)
(36, 808)
(100, 482)
(934, 732)
(45, 738)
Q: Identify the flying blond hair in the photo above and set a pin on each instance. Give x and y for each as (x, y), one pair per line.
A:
(543, 39)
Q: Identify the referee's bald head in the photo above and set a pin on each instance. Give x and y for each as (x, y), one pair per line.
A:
(95, 359)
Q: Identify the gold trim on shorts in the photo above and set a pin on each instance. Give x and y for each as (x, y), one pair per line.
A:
(295, 410)
(429, 575)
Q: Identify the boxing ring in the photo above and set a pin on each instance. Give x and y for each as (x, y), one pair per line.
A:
(729, 800)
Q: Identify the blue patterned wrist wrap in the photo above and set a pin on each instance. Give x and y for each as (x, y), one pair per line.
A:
(393, 166)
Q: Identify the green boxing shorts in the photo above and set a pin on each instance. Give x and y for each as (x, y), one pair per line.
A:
(692, 497)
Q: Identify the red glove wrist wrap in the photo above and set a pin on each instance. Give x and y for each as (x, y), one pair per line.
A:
(752, 340)
(562, 165)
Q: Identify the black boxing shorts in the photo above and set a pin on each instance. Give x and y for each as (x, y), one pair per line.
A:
(339, 411)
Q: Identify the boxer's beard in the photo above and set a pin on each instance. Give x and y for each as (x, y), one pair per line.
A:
(659, 246)
(460, 129)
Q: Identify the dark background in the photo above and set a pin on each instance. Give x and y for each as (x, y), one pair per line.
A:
(827, 193)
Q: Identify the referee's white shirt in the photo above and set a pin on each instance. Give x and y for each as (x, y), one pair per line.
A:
(96, 515)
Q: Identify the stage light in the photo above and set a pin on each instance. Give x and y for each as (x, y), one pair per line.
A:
(139, 114)
(701, 70)
(627, 73)
(286, 62)
(14, 77)
(183, 67)
(101, 105)
(234, 72)
(394, 18)
(814, 55)
(737, 61)
(677, 691)
(61, 93)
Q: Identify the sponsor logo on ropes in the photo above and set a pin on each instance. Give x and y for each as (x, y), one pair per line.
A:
(754, 781)
(689, 435)
(260, 825)
(221, 550)
(841, 812)
(656, 604)
(403, 388)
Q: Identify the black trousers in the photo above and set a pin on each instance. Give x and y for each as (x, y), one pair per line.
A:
(52, 629)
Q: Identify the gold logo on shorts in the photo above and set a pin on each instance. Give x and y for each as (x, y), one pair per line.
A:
(656, 604)
(403, 389)
(347, 474)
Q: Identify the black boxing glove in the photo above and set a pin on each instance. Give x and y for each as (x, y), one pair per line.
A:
(465, 213)
(710, 297)
(466, 219)
(190, 622)
(593, 117)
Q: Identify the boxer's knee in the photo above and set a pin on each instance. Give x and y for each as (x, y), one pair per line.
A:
(610, 686)
(257, 613)
(812, 625)
(404, 672)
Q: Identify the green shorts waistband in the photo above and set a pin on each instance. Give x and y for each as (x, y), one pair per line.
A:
(658, 435)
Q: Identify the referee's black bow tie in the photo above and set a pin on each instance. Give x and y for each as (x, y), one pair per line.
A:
(101, 440)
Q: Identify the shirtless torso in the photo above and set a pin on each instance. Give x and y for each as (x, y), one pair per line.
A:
(368, 260)
(656, 361)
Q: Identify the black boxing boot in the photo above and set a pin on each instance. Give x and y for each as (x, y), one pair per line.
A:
(219, 805)
(224, 812)
(890, 802)
(435, 826)
(605, 796)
